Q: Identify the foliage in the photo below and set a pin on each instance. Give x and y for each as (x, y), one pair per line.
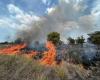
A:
(80, 40)
(54, 37)
(95, 38)
(4, 42)
(71, 40)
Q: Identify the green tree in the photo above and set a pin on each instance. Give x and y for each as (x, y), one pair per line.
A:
(94, 38)
(71, 40)
(54, 37)
(80, 40)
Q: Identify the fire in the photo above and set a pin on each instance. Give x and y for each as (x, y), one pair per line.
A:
(49, 56)
(14, 49)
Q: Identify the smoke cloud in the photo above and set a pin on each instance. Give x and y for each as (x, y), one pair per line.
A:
(65, 16)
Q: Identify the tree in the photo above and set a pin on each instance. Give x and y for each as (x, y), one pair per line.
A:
(71, 40)
(54, 37)
(94, 38)
(80, 40)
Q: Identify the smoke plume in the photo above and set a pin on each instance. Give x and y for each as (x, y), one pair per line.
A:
(65, 16)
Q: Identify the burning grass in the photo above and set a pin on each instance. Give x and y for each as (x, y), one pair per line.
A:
(24, 67)
(14, 49)
(48, 58)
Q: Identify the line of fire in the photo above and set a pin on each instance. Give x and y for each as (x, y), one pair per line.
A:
(54, 51)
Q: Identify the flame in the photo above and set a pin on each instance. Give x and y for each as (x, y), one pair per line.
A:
(14, 49)
(49, 56)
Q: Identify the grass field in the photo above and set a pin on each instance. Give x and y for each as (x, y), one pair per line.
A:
(21, 68)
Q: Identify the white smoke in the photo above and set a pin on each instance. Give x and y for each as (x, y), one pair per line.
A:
(65, 16)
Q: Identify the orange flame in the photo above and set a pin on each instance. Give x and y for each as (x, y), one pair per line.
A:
(49, 56)
(14, 49)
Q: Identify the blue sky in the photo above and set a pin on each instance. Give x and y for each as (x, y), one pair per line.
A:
(37, 6)
(69, 17)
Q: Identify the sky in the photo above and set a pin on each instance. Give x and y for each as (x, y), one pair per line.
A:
(36, 18)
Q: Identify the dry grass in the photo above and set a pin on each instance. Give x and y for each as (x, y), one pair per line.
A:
(21, 68)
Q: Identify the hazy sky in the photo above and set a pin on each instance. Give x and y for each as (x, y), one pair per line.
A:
(69, 17)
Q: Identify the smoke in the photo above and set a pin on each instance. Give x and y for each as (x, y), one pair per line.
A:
(65, 16)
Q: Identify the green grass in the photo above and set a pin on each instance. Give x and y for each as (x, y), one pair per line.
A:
(20, 68)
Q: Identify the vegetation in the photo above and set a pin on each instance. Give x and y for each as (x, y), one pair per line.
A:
(18, 67)
(95, 38)
(54, 37)
(21, 68)
(4, 42)
(71, 40)
(80, 40)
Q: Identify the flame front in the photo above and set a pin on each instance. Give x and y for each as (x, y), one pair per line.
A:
(49, 56)
(14, 49)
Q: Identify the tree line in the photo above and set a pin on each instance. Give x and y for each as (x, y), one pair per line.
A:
(93, 38)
